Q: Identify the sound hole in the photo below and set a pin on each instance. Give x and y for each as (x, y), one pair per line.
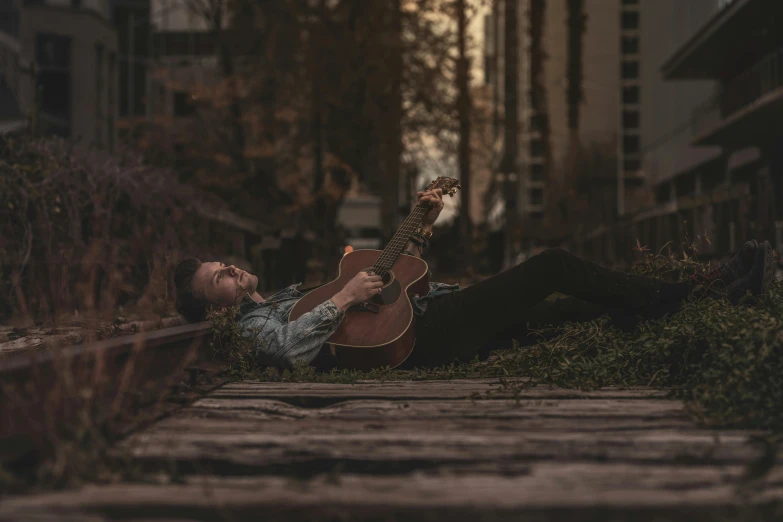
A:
(391, 289)
(387, 278)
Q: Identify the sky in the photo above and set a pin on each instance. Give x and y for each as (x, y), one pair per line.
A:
(476, 30)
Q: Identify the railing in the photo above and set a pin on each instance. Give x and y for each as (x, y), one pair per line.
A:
(760, 79)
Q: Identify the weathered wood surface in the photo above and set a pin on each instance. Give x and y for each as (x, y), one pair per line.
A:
(318, 395)
(427, 451)
(545, 492)
(14, 340)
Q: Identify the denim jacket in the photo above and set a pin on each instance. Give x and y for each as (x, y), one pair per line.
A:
(281, 343)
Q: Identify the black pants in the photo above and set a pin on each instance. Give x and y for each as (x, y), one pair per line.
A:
(489, 314)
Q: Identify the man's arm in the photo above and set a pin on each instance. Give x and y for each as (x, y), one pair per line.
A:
(285, 344)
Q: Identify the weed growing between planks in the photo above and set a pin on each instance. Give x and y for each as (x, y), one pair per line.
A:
(725, 361)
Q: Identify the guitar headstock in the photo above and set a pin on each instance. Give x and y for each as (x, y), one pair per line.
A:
(450, 186)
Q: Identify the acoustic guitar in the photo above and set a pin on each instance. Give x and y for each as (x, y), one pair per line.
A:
(379, 332)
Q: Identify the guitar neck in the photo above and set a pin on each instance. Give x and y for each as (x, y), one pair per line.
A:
(400, 239)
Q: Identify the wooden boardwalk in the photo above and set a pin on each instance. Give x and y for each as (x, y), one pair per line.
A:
(427, 451)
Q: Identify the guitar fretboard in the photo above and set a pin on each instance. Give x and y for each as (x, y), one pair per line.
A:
(400, 239)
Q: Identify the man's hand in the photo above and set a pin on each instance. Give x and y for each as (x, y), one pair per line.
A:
(434, 198)
(361, 288)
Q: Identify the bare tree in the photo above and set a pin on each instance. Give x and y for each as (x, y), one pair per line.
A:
(464, 111)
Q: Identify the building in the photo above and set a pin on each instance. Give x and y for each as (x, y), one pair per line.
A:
(184, 57)
(576, 84)
(740, 49)
(74, 48)
(15, 74)
(709, 126)
(132, 18)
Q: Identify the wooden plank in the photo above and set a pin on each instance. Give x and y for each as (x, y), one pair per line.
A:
(266, 436)
(426, 451)
(570, 409)
(544, 491)
(320, 394)
(499, 403)
(568, 415)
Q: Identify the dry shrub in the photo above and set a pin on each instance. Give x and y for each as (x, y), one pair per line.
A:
(83, 230)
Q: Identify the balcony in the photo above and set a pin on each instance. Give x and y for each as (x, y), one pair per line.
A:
(748, 107)
(758, 81)
(741, 31)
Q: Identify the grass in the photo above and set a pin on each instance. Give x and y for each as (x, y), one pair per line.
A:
(725, 362)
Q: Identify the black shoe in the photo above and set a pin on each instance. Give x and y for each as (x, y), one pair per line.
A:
(736, 268)
(760, 277)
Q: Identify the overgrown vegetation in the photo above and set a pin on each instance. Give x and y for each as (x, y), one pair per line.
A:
(83, 230)
(725, 361)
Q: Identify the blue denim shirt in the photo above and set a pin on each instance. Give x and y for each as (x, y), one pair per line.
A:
(281, 343)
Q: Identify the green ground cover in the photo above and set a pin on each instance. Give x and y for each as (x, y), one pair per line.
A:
(725, 362)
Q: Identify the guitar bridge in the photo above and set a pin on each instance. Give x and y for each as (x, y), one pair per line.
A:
(366, 307)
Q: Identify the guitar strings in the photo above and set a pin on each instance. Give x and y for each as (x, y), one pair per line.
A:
(394, 248)
(392, 251)
(401, 238)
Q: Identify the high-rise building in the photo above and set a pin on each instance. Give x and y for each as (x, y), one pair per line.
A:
(577, 86)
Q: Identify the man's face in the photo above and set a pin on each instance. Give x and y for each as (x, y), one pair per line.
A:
(223, 285)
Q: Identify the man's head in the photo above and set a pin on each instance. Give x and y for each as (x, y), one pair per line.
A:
(201, 285)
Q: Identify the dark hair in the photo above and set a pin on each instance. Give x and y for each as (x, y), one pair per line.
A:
(190, 303)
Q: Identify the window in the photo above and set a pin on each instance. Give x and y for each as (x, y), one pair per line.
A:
(99, 54)
(55, 88)
(631, 95)
(489, 32)
(630, 20)
(9, 18)
(630, 70)
(630, 45)
(632, 165)
(537, 123)
(489, 68)
(631, 119)
(53, 54)
(53, 51)
(112, 72)
(536, 148)
(183, 43)
(537, 172)
(182, 105)
(536, 196)
(631, 144)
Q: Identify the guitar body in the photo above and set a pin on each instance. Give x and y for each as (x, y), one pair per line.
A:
(380, 332)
